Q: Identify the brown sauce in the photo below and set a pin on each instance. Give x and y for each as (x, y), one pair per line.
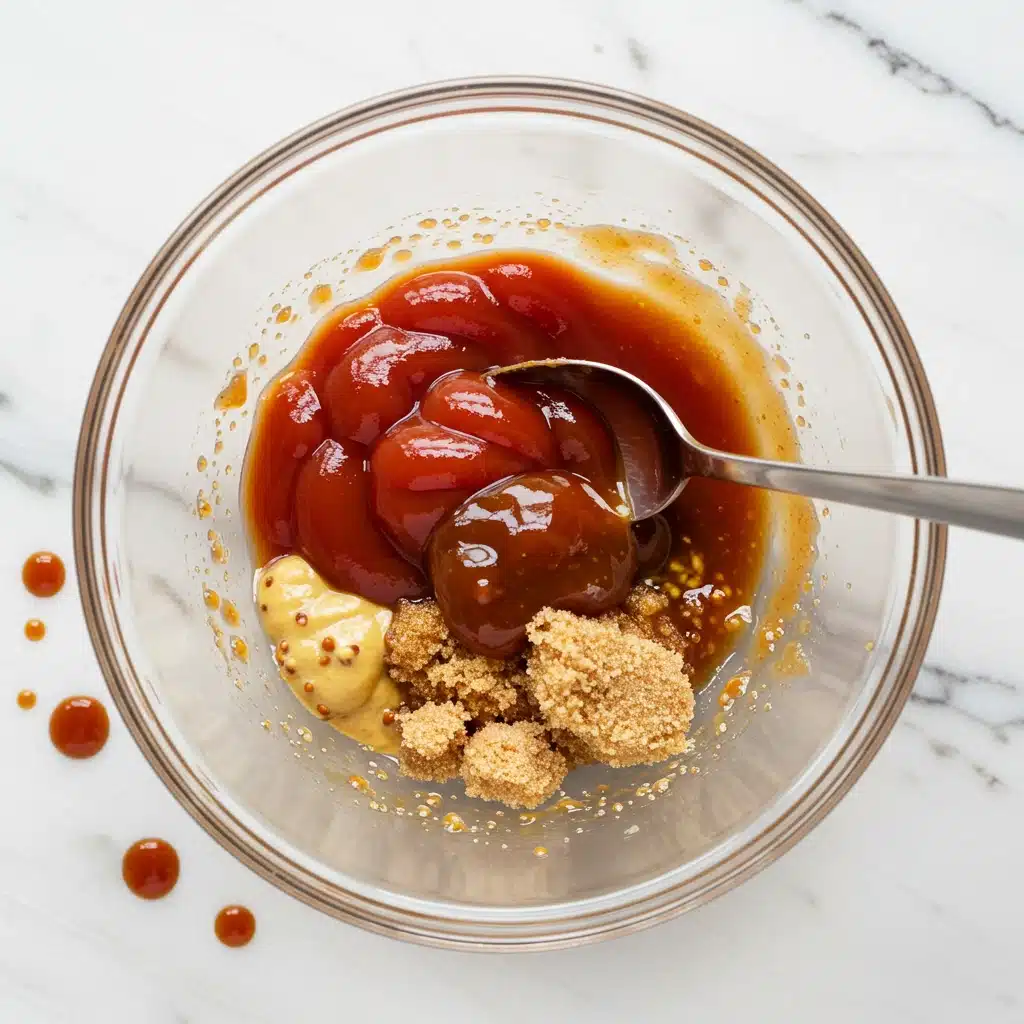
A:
(35, 630)
(79, 727)
(235, 926)
(43, 574)
(150, 868)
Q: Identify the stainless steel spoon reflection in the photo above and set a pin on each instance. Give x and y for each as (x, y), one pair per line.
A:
(633, 407)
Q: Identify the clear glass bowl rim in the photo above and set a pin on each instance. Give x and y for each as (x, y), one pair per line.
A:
(476, 929)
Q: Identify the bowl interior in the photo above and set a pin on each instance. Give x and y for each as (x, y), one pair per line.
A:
(234, 291)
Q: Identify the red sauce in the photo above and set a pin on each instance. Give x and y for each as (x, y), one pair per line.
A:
(26, 699)
(79, 727)
(469, 432)
(43, 574)
(35, 630)
(378, 451)
(150, 868)
(235, 926)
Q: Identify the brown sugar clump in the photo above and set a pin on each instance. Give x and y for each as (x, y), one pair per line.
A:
(627, 698)
(612, 689)
(416, 637)
(484, 685)
(420, 652)
(639, 616)
(433, 738)
(644, 601)
(513, 764)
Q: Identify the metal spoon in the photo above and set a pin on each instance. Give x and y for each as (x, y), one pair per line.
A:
(632, 407)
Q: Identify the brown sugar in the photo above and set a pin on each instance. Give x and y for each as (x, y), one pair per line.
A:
(416, 637)
(484, 685)
(644, 601)
(612, 689)
(433, 738)
(641, 616)
(420, 652)
(627, 698)
(513, 764)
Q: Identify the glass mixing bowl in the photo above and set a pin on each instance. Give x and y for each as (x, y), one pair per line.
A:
(402, 179)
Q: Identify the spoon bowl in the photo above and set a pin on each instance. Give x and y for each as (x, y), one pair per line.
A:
(646, 428)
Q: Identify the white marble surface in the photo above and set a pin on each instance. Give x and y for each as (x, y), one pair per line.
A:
(906, 120)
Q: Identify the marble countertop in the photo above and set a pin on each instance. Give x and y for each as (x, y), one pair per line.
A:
(905, 120)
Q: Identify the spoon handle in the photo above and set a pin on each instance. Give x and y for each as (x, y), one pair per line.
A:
(976, 506)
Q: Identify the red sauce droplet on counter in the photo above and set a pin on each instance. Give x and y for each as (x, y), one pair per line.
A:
(150, 868)
(79, 727)
(35, 630)
(27, 700)
(235, 926)
(43, 574)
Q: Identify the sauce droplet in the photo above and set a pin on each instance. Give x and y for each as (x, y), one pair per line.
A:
(235, 926)
(230, 613)
(371, 259)
(319, 295)
(150, 868)
(79, 727)
(27, 700)
(43, 574)
(239, 648)
(35, 630)
(234, 394)
(218, 552)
